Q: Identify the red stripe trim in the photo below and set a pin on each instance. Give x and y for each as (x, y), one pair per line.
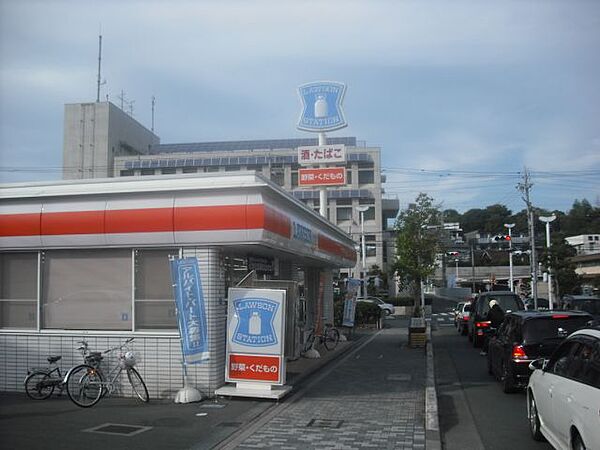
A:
(148, 220)
(330, 246)
(139, 220)
(79, 222)
(194, 218)
(20, 224)
(277, 222)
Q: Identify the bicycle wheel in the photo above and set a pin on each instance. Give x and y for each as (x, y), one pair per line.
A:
(84, 385)
(39, 385)
(310, 340)
(138, 385)
(332, 337)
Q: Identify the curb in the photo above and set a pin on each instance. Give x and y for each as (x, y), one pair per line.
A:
(433, 439)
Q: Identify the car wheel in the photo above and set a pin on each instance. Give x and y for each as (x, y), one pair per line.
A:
(506, 379)
(578, 442)
(387, 312)
(534, 419)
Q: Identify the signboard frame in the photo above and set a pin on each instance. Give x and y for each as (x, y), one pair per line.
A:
(321, 154)
(325, 176)
(256, 329)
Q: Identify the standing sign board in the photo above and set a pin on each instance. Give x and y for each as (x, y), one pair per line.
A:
(191, 312)
(256, 337)
(332, 176)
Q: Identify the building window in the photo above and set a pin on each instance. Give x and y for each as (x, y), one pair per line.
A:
(256, 167)
(366, 177)
(232, 168)
(154, 304)
(168, 170)
(370, 213)
(147, 172)
(87, 289)
(343, 202)
(277, 176)
(344, 215)
(212, 169)
(371, 245)
(127, 173)
(348, 177)
(190, 170)
(295, 179)
(18, 290)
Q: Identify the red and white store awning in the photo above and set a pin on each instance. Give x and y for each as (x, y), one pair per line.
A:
(240, 208)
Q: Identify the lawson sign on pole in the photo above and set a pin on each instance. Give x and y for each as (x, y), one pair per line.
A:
(256, 336)
(191, 313)
(322, 106)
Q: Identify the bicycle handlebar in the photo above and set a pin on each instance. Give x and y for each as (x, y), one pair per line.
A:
(119, 347)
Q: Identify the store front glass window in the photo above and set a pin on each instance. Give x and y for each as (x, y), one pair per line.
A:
(18, 290)
(86, 289)
(154, 303)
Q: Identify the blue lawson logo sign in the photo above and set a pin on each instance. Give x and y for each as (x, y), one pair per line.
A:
(255, 322)
(191, 310)
(322, 106)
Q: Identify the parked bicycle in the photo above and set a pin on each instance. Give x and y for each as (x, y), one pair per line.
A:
(329, 338)
(86, 384)
(40, 383)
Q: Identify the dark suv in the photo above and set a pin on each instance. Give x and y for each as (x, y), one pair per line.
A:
(525, 336)
(587, 303)
(479, 321)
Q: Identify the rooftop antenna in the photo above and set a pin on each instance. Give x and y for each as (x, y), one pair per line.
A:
(100, 82)
(153, 105)
(99, 66)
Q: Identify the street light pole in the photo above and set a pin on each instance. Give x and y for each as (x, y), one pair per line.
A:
(362, 210)
(510, 259)
(547, 220)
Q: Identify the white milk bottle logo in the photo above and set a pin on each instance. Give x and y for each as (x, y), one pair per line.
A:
(254, 326)
(321, 108)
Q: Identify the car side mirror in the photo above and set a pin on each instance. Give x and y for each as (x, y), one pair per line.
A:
(539, 364)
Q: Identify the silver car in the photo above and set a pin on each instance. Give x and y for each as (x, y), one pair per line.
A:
(563, 395)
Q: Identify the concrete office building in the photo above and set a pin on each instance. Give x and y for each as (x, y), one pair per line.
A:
(119, 146)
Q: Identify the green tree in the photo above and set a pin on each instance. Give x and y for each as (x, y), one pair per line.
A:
(416, 244)
(559, 258)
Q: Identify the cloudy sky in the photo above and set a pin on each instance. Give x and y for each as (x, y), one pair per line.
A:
(459, 95)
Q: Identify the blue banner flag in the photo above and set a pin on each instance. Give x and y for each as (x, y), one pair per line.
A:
(191, 311)
(350, 302)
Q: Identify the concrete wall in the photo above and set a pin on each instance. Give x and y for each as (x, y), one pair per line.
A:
(159, 354)
(94, 133)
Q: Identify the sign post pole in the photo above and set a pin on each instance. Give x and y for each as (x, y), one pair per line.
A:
(323, 189)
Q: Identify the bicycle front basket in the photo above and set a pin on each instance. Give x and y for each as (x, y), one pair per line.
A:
(127, 359)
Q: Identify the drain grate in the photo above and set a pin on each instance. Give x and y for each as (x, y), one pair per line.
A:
(399, 377)
(230, 424)
(325, 423)
(118, 429)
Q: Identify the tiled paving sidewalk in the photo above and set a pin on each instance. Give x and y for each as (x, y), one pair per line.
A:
(374, 398)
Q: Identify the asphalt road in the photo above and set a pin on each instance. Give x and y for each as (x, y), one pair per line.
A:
(473, 410)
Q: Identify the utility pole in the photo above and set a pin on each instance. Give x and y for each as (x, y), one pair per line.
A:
(524, 187)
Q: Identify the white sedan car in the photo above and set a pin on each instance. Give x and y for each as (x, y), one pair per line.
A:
(387, 308)
(563, 395)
